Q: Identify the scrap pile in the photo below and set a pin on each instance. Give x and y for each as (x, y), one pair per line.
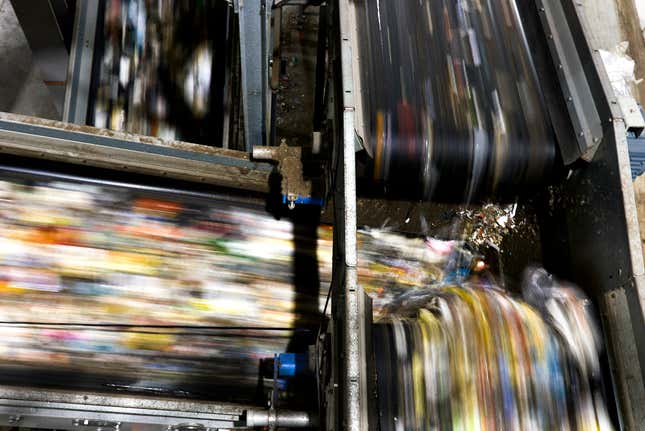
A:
(454, 351)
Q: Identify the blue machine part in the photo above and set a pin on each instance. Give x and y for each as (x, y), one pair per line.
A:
(636, 155)
(636, 146)
(306, 201)
(292, 364)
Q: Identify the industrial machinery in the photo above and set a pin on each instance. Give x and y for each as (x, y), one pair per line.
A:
(579, 220)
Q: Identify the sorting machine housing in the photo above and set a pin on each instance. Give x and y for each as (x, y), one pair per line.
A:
(587, 224)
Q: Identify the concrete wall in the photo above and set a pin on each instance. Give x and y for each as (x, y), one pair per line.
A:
(22, 90)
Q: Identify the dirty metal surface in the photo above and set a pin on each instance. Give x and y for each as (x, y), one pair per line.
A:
(289, 161)
(297, 71)
(84, 145)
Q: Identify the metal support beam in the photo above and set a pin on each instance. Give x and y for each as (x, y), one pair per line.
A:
(353, 342)
(79, 72)
(254, 24)
(565, 41)
(42, 408)
(84, 145)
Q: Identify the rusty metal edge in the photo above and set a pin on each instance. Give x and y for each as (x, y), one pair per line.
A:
(84, 145)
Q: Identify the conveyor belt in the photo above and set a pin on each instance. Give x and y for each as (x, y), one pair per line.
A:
(145, 289)
(451, 101)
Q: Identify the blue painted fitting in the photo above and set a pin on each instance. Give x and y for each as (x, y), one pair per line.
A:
(292, 364)
(636, 155)
(306, 201)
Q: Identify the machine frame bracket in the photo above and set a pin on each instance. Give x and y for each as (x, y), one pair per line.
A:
(563, 41)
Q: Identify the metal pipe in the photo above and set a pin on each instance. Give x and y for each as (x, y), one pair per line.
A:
(353, 374)
(264, 153)
(279, 418)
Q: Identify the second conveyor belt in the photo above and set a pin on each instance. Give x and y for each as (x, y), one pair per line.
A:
(451, 102)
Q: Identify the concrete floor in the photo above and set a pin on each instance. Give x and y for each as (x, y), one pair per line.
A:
(22, 90)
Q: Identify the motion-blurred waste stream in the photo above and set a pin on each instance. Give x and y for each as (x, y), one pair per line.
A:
(120, 282)
(452, 108)
(456, 351)
(157, 78)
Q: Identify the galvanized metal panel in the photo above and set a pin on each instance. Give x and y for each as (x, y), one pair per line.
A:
(354, 408)
(79, 73)
(580, 103)
(253, 16)
(596, 211)
(42, 408)
(56, 409)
